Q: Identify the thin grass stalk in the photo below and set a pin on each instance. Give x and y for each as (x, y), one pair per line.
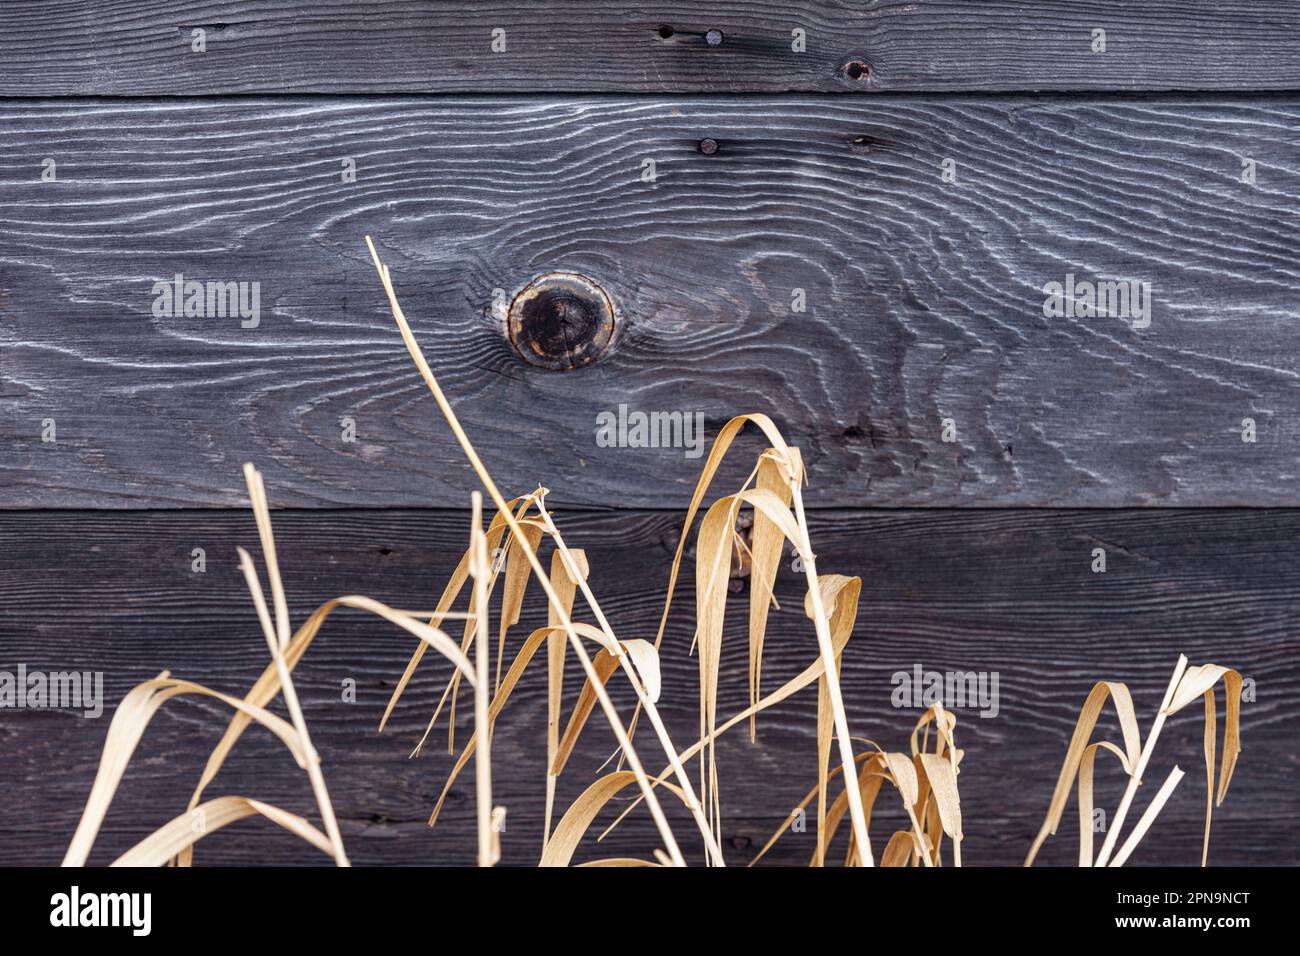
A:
(652, 712)
(856, 814)
(310, 756)
(278, 642)
(555, 648)
(482, 757)
(810, 674)
(450, 691)
(1147, 818)
(607, 705)
(956, 840)
(1135, 780)
(922, 848)
(941, 733)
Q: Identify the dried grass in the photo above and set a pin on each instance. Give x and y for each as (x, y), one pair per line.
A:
(925, 778)
(1185, 686)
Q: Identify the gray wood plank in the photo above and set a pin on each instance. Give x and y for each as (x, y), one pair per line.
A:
(1007, 591)
(386, 46)
(924, 299)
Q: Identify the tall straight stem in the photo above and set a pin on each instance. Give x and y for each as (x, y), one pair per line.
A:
(482, 754)
(1135, 780)
(827, 648)
(683, 781)
(606, 705)
(310, 757)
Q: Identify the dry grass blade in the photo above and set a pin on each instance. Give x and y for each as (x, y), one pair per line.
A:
(927, 784)
(285, 654)
(277, 641)
(899, 849)
(268, 685)
(604, 665)
(825, 731)
(500, 545)
(938, 779)
(902, 772)
(489, 849)
(862, 842)
(129, 722)
(712, 568)
(640, 651)
(1135, 779)
(871, 776)
(580, 652)
(621, 861)
(312, 759)
(712, 565)
(840, 591)
(1200, 681)
(188, 828)
(841, 595)
(1185, 686)
(496, 531)
(516, 583)
(624, 652)
(1085, 794)
(449, 594)
(765, 557)
(717, 452)
(578, 818)
(943, 785)
(1147, 818)
(939, 800)
(566, 587)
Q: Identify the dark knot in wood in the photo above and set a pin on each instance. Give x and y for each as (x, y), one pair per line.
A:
(857, 70)
(561, 321)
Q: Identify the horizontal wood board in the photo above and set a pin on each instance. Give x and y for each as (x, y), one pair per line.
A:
(1004, 591)
(924, 298)
(133, 48)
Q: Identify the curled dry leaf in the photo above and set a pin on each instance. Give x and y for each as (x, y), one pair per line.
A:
(188, 828)
(1185, 686)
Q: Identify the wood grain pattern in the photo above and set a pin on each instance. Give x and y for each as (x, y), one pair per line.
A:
(387, 46)
(924, 298)
(1008, 591)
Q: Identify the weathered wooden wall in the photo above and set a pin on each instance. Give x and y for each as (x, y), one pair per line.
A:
(1005, 591)
(475, 172)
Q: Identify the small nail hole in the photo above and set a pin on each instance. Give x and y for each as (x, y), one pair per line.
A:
(665, 32)
(857, 70)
